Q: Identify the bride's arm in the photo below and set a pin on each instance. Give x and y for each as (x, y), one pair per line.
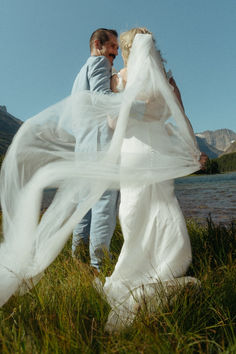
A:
(176, 91)
(203, 157)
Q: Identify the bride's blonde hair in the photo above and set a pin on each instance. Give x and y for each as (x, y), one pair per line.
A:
(127, 38)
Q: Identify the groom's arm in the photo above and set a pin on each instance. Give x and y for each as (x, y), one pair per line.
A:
(99, 74)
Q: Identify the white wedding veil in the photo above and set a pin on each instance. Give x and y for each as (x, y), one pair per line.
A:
(42, 156)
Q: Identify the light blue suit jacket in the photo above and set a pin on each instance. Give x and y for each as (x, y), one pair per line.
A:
(94, 76)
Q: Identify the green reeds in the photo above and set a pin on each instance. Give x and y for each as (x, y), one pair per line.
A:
(65, 314)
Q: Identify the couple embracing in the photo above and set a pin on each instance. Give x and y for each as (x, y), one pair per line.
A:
(127, 132)
(156, 243)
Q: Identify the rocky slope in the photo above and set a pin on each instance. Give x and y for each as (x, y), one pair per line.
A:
(210, 150)
(231, 148)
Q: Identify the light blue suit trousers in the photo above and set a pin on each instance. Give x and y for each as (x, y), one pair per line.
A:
(98, 225)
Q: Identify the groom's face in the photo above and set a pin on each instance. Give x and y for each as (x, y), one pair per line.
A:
(110, 49)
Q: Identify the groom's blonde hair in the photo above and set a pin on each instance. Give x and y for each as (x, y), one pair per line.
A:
(127, 38)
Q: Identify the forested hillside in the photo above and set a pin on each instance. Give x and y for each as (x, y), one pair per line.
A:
(8, 128)
(224, 163)
(227, 162)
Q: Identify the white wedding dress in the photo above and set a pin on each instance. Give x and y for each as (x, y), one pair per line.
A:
(156, 249)
(143, 157)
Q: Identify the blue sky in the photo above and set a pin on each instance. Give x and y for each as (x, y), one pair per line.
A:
(44, 43)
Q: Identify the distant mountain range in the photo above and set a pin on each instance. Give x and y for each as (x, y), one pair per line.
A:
(217, 142)
(8, 128)
(213, 143)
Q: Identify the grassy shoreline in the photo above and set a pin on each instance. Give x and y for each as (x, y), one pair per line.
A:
(64, 313)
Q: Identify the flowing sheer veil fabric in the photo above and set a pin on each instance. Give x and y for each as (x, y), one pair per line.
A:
(42, 156)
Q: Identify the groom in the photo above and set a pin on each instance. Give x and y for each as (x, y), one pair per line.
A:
(96, 228)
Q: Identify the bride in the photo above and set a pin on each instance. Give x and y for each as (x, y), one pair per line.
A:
(143, 158)
(156, 249)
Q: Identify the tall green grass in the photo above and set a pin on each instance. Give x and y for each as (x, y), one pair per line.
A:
(65, 314)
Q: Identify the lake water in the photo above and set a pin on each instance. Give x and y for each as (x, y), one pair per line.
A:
(200, 195)
(204, 194)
